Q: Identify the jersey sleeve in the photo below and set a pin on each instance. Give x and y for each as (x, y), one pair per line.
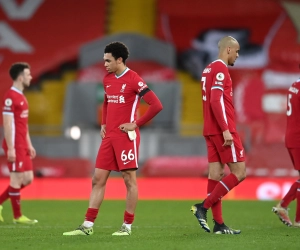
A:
(216, 98)
(219, 77)
(8, 105)
(139, 85)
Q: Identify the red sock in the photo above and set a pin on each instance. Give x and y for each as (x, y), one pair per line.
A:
(221, 189)
(291, 194)
(297, 219)
(128, 218)
(91, 214)
(15, 199)
(4, 196)
(217, 207)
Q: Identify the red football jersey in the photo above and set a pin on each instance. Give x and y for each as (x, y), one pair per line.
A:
(122, 100)
(15, 104)
(218, 109)
(292, 135)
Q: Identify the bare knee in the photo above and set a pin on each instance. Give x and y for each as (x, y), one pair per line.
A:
(239, 170)
(217, 176)
(98, 181)
(27, 182)
(129, 179)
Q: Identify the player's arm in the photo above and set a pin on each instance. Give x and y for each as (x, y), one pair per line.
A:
(155, 107)
(219, 113)
(8, 135)
(104, 113)
(31, 149)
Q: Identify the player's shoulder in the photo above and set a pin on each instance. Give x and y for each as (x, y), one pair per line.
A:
(219, 65)
(12, 93)
(132, 74)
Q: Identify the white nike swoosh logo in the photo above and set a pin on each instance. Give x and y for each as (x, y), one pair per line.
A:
(108, 86)
(126, 162)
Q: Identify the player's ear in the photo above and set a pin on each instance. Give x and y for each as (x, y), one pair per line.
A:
(119, 60)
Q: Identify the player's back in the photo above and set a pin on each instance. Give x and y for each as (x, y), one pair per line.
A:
(216, 76)
(292, 137)
(15, 104)
(122, 93)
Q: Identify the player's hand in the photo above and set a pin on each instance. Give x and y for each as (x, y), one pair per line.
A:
(11, 155)
(32, 152)
(228, 139)
(103, 131)
(125, 127)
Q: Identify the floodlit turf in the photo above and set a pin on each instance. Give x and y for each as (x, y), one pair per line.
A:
(158, 225)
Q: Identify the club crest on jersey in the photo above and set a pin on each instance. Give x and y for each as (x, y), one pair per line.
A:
(8, 102)
(140, 84)
(220, 76)
(123, 88)
(121, 99)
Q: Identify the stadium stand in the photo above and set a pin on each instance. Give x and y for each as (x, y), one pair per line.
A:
(141, 19)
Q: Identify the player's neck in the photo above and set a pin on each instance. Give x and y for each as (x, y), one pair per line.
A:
(121, 70)
(223, 58)
(18, 86)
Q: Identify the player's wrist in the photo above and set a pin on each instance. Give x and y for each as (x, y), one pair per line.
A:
(136, 126)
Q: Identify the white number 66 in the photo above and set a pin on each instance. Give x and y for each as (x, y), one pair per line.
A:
(130, 155)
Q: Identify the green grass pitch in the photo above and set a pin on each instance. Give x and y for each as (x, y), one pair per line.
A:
(158, 225)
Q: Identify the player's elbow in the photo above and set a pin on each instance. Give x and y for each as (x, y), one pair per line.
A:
(159, 107)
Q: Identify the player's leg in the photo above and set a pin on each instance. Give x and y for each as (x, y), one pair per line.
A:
(216, 173)
(281, 209)
(238, 173)
(105, 163)
(129, 177)
(97, 195)
(28, 171)
(13, 192)
(27, 177)
(126, 152)
(234, 157)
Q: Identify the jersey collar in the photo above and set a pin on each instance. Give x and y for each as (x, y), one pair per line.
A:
(123, 73)
(15, 89)
(219, 60)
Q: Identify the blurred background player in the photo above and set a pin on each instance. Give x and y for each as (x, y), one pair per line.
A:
(17, 144)
(292, 142)
(223, 143)
(120, 135)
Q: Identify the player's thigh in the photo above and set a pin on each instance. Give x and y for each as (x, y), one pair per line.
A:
(216, 170)
(16, 179)
(295, 157)
(212, 152)
(126, 152)
(233, 153)
(238, 169)
(129, 176)
(27, 177)
(106, 157)
(27, 163)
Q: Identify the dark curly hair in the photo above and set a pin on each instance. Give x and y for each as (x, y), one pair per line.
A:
(117, 49)
(17, 68)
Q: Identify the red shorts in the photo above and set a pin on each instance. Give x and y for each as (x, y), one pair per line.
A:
(295, 157)
(23, 161)
(118, 153)
(226, 154)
